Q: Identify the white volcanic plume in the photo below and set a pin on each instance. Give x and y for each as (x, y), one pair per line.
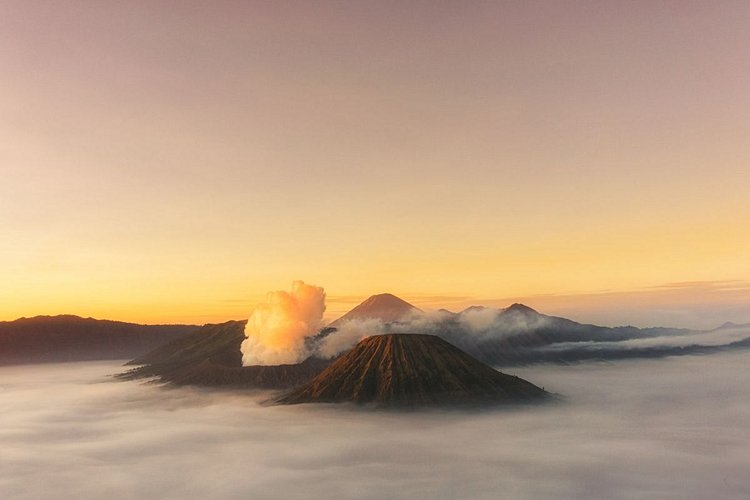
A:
(276, 329)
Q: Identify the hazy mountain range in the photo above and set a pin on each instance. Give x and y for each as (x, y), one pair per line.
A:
(519, 335)
(515, 335)
(391, 370)
(71, 338)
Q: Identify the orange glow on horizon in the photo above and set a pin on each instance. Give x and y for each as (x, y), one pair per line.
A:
(570, 157)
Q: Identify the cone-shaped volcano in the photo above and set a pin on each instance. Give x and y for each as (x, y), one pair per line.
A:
(385, 307)
(412, 370)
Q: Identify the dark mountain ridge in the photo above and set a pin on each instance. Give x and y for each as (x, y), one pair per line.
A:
(45, 339)
(518, 335)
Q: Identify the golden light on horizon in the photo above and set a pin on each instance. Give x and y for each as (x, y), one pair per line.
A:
(488, 153)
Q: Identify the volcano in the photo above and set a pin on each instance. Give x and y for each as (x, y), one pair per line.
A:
(211, 356)
(385, 306)
(408, 370)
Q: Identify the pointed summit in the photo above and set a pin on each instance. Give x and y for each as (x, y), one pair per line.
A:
(520, 308)
(385, 307)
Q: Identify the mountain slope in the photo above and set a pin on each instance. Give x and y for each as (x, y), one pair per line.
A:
(218, 343)
(385, 306)
(411, 370)
(63, 338)
(211, 357)
(207, 373)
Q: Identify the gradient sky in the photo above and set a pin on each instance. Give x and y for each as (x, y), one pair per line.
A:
(173, 161)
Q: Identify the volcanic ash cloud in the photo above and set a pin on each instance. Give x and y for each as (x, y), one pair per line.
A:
(276, 330)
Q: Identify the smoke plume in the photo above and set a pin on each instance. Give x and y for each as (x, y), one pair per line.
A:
(276, 330)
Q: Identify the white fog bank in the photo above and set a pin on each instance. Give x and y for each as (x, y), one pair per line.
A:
(669, 428)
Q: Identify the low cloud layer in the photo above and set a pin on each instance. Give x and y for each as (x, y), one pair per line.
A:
(721, 337)
(517, 336)
(288, 328)
(671, 428)
(468, 329)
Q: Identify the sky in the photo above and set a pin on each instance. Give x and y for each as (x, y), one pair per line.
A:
(174, 161)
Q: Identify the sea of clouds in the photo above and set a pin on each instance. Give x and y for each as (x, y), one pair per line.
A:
(669, 428)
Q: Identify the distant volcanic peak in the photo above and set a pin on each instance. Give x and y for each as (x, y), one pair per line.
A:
(385, 306)
(411, 370)
(520, 308)
(386, 300)
(730, 326)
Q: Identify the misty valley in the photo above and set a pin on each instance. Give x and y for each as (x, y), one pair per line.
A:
(666, 428)
(464, 405)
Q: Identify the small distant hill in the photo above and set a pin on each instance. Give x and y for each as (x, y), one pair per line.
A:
(385, 307)
(211, 356)
(44, 339)
(732, 326)
(407, 370)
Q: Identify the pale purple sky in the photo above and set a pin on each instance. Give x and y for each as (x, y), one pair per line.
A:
(160, 160)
